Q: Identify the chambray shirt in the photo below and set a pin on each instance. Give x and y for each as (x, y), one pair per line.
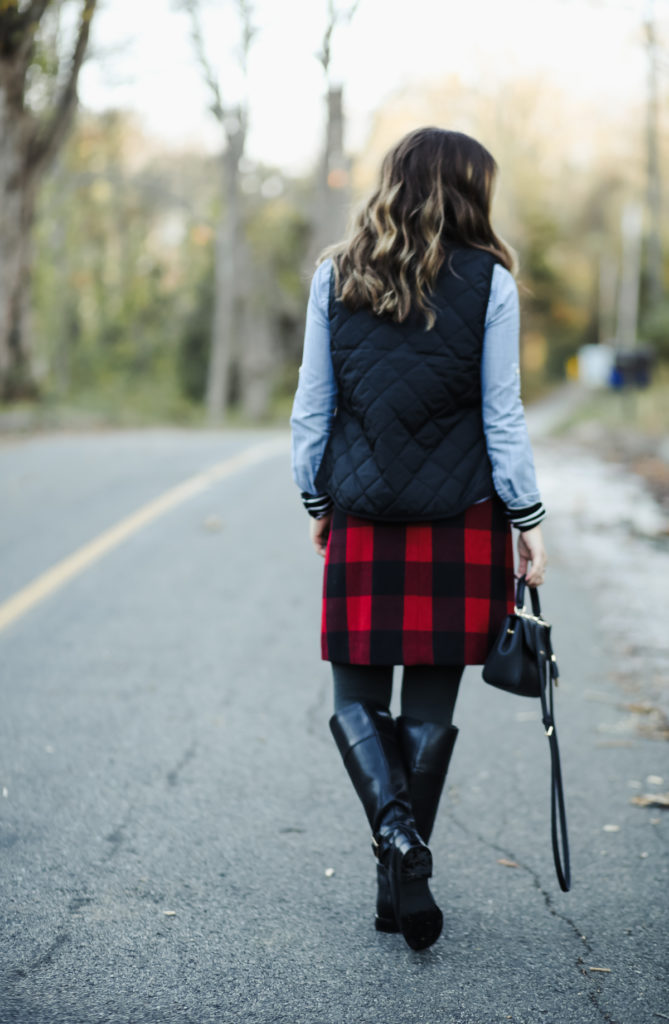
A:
(504, 424)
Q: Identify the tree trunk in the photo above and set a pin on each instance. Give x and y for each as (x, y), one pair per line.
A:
(256, 359)
(226, 278)
(17, 211)
(333, 192)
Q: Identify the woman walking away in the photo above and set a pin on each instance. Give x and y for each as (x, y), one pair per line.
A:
(411, 451)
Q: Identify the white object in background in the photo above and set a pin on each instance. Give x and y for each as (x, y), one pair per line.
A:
(595, 363)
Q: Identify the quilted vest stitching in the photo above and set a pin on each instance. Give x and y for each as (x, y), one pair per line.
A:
(407, 441)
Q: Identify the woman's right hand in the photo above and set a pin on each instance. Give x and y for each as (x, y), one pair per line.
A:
(531, 550)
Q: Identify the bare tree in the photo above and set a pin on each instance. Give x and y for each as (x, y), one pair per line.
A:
(30, 137)
(333, 181)
(233, 119)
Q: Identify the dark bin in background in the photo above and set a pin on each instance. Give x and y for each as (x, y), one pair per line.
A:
(632, 369)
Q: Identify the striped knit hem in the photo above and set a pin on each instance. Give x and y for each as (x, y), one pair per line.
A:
(527, 518)
(317, 505)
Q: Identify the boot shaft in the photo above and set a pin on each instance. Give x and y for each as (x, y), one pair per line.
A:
(427, 748)
(367, 741)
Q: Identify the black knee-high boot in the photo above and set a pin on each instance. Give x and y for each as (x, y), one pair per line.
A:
(367, 742)
(426, 751)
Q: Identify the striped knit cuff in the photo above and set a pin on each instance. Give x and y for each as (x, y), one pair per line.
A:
(527, 518)
(317, 505)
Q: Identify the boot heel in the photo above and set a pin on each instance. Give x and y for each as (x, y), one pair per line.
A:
(420, 918)
(384, 920)
(386, 924)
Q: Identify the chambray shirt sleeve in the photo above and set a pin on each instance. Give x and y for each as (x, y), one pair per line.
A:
(316, 396)
(504, 423)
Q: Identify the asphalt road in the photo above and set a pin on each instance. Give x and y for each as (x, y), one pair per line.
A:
(172, 806)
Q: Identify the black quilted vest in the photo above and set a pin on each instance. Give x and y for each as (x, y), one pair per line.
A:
(407, 441)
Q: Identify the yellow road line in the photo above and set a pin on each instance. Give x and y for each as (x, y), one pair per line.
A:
(60, 574)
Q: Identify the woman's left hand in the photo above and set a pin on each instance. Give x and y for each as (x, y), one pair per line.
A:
(319, 531)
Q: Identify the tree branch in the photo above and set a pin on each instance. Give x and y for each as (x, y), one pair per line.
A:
(17, 43)
(336, 16)
(10, 23)
(325, 52)
(17, 28)
(249, 31)
(351, 11)
(49, 138)
(210, 78)
(35, 10)
(232, 118)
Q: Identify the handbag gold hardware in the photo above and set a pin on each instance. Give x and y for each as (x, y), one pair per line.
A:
(524, 614)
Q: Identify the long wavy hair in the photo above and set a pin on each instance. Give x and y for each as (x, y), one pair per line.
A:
(434, 195)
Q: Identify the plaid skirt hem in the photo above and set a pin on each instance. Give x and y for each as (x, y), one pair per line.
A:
(417, 593)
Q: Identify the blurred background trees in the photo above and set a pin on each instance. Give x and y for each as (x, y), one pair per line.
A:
(39, 67)
(168, 282)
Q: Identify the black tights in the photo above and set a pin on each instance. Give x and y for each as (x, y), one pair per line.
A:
(429, 692)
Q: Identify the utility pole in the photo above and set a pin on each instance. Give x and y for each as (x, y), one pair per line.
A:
(653, 193)
(628, 296)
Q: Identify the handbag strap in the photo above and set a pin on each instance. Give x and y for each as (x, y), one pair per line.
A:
(534, 597)
(559, 836)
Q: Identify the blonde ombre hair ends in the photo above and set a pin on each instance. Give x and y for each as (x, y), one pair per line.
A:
(434, 195)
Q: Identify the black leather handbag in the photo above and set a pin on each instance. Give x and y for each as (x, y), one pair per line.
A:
(522, 661)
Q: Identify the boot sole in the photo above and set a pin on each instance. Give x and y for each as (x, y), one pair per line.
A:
(386, 924)
(420, 918)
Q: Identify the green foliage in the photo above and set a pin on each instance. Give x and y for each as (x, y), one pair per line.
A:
(554, 304)
(124, 272)
(117, 261)
(655, 329)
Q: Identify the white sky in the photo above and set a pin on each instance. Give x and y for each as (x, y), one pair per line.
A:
(146, 60)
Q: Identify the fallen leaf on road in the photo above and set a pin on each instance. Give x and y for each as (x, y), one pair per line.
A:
(639, 709)
(602, 970)
(651, 800)
(213, 523)
(507, 863)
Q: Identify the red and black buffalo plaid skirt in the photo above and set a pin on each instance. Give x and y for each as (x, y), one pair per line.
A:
(417, 593)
